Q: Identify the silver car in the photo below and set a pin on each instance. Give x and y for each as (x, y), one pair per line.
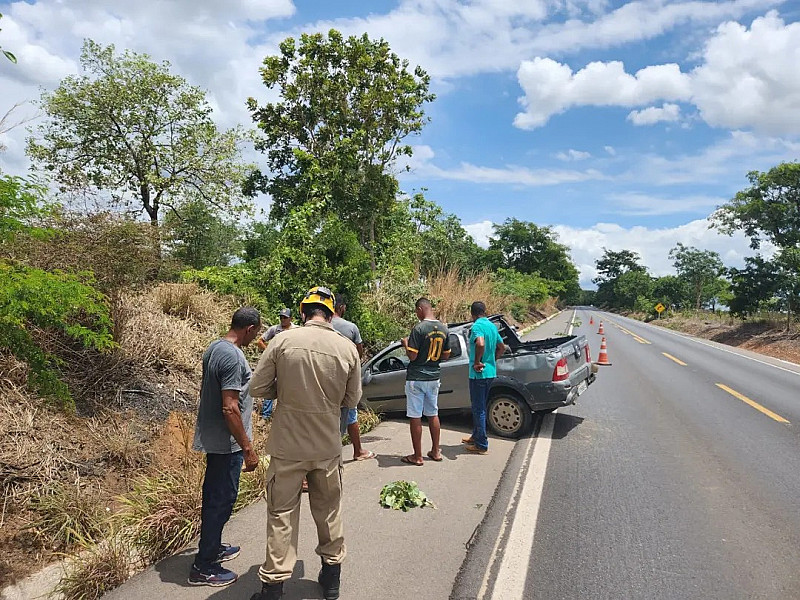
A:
(536, 376)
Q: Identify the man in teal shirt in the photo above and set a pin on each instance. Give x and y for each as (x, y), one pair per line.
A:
(485, 347)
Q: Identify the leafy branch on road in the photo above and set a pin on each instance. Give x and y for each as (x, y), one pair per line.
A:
(404, 495)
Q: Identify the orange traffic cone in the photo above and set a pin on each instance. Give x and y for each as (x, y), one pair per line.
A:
(601, 331)
(591, 320)
(602, 359)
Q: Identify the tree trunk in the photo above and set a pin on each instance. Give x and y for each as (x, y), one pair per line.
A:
(372, 264)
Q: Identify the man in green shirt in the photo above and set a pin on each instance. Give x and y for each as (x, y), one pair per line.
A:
(426, 347)
(485, 347)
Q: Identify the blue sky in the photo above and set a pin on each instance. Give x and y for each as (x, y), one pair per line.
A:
(621, 124)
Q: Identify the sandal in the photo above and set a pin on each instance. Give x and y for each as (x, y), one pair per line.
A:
(409, 460)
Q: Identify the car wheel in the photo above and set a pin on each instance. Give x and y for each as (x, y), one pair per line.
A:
(508, 416)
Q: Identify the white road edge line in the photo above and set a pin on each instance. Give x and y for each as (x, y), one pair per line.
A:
(694, 339)
(506, 521)
(513, 572)
(529, 463)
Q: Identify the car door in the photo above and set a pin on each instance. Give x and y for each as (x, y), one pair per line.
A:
(454, 389)
(384, 381)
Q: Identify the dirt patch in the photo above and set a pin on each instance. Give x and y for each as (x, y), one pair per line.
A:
(763, 337)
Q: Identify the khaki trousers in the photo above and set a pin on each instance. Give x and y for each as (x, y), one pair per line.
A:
(284, 490)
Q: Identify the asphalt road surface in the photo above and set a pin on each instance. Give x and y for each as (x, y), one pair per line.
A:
(676, 475)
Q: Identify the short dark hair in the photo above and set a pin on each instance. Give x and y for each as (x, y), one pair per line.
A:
(422, 302)
(313, 310)
(478, 309)
(341, 300)
(245, 317)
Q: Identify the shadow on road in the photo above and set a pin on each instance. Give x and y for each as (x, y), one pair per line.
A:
(297, 587)
(564, 424)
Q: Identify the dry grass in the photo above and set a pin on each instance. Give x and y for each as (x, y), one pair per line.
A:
(67, 514)
(95, 571)
(452, 295)
(125, 441)
(168, 327)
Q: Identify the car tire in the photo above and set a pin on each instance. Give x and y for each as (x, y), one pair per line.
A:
(508, 415)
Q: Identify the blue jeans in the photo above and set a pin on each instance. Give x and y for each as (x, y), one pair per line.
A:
(266, 408)
(220, 488)
(479, 395)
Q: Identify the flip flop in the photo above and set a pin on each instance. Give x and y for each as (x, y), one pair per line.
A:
(408, 461)
(370, 454)
(432, 457)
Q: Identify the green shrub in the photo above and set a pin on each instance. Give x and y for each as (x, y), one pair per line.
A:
(32, 300)
(530, 288)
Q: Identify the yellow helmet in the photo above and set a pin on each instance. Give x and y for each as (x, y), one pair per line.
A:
(319, 295)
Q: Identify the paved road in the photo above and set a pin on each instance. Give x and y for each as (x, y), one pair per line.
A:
(673, 477)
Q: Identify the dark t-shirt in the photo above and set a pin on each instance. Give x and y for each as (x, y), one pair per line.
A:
(224, 368)
(430, 337)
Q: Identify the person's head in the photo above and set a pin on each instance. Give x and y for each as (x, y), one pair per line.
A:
(246, 323)
(318, 304)
(341, 305)
(424, 308)
(285, 317)
(477, 310)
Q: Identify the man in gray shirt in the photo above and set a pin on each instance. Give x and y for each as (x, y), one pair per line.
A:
(224, 431)
(349, 421)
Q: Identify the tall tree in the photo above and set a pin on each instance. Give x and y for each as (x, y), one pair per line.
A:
(201, 237)
(530, 248)
(138, 134)
(612, 264)
(630, 286)
(345, 108)
(700, 268)
(767, 210)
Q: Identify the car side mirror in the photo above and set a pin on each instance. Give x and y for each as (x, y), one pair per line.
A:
(367, 378)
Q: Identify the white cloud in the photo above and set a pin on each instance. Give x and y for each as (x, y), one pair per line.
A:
(551, 87)
(481, 232)
(637, 204)
(452, 38)
(421, 165)
(573, 155)
(652, 244)
(749, 77)
(653, 114)
(611, 150)
(745, 80)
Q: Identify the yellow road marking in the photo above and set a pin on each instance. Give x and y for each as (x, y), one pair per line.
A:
(638, 338)
(752, 403)
(677, 360)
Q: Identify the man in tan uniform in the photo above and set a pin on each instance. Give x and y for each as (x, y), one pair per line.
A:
(315, 372)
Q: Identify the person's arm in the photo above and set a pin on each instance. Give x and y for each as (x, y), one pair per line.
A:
(411, 353)
(480, 347)
(358, 341)
(262, 345)
(262, 383)
(233, 419)
(446, 347)
(352, 393)
(499, 350)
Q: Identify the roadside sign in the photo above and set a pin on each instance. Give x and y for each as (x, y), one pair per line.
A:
(660, 308)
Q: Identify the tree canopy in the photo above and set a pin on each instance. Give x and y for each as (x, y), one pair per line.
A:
(345, 107)
(700, 268)
(137, 134)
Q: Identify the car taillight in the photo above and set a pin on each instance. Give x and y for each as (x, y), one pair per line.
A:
(561, 371)
(588, 354)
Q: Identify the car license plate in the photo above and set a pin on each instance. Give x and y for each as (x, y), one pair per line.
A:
(582, 387)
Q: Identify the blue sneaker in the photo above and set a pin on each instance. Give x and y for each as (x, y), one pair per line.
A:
(213, 575)
(227, 552)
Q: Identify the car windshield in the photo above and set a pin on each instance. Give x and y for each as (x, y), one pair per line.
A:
(394, 360)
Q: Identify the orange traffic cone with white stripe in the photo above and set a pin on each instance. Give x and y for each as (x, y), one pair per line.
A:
(601, 331)
(602, 359)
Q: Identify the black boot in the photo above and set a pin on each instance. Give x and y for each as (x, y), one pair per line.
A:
(269, 591)
(329, 580)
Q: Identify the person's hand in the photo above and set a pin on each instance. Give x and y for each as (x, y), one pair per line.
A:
(478, 367)
(250, 460)
(404, 342)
